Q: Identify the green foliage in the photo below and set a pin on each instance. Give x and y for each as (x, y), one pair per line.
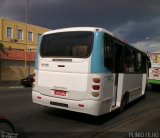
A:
(2, 48)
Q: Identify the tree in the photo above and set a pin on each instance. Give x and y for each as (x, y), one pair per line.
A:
(2, 49)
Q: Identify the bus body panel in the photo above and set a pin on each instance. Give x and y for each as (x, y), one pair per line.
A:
(75, 66)
(64, 76)
(91, 107)
(108, 86)
(133, 87)
(74, 85)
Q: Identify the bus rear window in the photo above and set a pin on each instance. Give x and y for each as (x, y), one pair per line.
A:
(67, 44)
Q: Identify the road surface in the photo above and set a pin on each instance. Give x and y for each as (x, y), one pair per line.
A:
(37, 121)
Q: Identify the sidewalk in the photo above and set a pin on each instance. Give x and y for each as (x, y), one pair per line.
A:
(10, 84)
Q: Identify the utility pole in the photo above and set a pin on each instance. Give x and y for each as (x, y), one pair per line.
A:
(26, 21)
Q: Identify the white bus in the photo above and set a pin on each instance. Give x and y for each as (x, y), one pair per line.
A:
(87, 70)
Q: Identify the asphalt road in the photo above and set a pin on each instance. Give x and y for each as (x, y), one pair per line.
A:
(37, 121)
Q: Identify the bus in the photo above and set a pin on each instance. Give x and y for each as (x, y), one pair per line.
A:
(88, 70)
(154, 71)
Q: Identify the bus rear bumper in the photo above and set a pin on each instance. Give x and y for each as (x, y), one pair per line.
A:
(91, 107)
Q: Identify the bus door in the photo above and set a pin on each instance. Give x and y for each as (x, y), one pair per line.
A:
(117, 68)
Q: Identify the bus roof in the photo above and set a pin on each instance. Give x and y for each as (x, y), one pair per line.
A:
(92, 29)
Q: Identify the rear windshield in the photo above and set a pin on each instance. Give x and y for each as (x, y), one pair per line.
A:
(67, 44)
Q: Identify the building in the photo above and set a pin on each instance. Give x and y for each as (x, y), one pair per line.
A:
(20, 41)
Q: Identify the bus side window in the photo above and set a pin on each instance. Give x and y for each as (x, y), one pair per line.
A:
(144, 63)
(118, 58)
(138, 62)
(128, 60)
(108, 53)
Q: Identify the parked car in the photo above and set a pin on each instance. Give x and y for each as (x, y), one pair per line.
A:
(28, 81)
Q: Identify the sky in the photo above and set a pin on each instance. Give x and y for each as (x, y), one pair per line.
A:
(137, 21)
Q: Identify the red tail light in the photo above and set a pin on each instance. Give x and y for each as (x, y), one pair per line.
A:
(96, 80)
(96, 87)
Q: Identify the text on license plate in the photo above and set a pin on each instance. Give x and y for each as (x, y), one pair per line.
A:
(60, 92)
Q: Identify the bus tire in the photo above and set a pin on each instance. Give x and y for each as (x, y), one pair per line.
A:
(124, 102)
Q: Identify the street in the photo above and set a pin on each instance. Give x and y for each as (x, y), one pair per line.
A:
(143, 115)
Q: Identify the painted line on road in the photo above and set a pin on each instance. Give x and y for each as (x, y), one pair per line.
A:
(16, 87)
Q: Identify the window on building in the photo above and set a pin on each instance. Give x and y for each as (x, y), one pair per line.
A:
(9, 32)
(30, 36)
(39, 37)
(20, 34)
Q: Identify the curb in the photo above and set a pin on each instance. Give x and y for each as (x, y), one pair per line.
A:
(9, 87)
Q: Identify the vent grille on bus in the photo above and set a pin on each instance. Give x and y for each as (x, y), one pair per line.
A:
(59, 104)
(65, 60)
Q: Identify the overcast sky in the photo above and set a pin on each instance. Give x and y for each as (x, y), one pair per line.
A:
(137, 21)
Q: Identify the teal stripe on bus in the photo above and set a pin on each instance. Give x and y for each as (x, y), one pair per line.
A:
(97, 59)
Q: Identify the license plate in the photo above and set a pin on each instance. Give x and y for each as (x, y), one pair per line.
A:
(59, 92)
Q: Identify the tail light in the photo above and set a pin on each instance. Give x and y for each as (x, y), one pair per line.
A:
(96, 80)
(96, 87)
(95, 94)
